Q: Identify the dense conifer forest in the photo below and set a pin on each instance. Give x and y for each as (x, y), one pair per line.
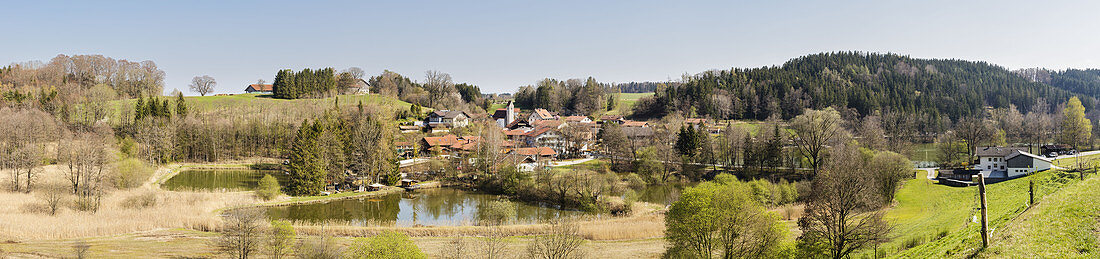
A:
(934, 89)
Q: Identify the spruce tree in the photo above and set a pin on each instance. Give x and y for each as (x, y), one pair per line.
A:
(181, 106)
(307, 174)
(139, 109)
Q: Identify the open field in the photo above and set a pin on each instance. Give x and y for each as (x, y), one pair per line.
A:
(189, 243)
(626, 103)
(937, 221)
(245, 105)
(1065, 225)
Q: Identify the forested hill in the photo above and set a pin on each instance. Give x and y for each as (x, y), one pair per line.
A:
(934, 89)
(1086, 82)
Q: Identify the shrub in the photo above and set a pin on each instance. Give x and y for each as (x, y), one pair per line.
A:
(53, 198)
(130, 173)
(279, 238)
(269, 188)
(634, 181)
(322, 247)
(80, 249)
(140, 201)
(389, 244)
(495, 212)
(561, 241)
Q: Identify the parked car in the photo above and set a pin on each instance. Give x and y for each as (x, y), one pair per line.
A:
(1052, 154)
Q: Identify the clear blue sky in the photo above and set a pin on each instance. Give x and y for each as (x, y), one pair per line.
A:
(500, 45)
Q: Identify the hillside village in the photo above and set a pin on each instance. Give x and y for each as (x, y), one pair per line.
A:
(549, 129)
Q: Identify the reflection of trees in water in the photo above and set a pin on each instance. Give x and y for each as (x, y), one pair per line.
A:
(662, 193)
(218, 179)
(442, 206)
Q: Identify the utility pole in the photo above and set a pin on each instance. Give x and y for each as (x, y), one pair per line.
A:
(985, 226)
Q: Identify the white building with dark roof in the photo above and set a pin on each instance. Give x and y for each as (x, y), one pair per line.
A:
(1008, 162)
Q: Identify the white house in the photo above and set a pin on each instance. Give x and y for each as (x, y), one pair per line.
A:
(448, 119)
(1008, 162)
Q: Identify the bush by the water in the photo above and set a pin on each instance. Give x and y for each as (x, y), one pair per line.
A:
(269, 188)
(131, 172)
(389, 244)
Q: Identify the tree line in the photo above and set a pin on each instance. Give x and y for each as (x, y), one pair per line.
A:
(572, 96)
(643, 87)
(437, 91)
(865, 82)
(306, 83)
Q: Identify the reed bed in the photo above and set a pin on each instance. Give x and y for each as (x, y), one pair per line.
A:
(117, 213)
(644, 225)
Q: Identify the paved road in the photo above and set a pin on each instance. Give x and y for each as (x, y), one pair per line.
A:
(570, 162)
(1086, 153)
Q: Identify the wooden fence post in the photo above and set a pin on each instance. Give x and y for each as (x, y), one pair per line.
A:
(1030, 193)
(985, 226)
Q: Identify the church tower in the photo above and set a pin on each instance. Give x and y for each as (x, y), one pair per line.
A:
(510, 114)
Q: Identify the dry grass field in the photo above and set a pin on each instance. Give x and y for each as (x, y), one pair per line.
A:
(22, 216)
(181, 224)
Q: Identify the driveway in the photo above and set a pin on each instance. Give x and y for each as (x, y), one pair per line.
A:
(570, 162)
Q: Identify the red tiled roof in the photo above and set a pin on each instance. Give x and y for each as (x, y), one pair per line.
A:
(262, 88)
(543, 113)
(634, 123)
(446, 140)
(548, 123)
(538, 131)
(577, 118)
(533, 151)
(515, 132)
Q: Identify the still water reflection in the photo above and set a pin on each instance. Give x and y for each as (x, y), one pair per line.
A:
(428, 207)
(218, 180)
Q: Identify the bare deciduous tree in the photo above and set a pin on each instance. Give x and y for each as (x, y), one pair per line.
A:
(842, 213)
(53, 198)
(438, 85)
(203, 84)
(814, 130)
(561, 241)
(241, 233)
(455, 249)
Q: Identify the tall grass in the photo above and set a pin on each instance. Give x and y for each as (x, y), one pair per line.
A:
(117, 215)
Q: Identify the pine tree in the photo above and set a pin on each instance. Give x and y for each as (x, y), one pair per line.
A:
(307, 174)
(181, 106)
(139, 109)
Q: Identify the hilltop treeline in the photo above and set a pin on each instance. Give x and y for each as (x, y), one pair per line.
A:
(863, 82)
(572, 96)
(643, 87)
(71, 76)
(306, 83)
(438, 91)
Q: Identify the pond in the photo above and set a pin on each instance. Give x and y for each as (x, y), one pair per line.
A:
(218, 180)
(427, 207)
(664, 194)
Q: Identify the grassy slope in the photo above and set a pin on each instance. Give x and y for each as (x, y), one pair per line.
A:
(234, 105)
(924, 210)
(1065, 225)
(626, 102)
